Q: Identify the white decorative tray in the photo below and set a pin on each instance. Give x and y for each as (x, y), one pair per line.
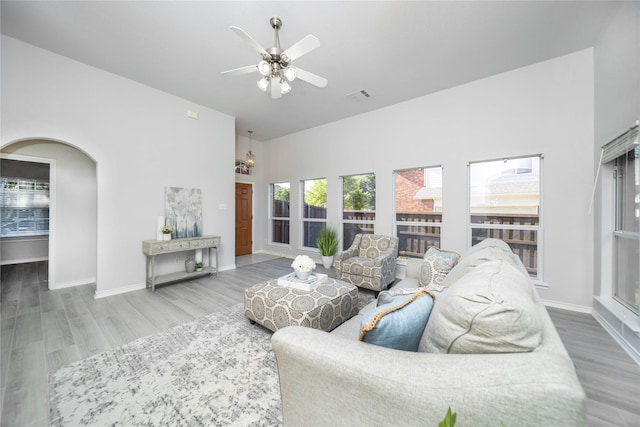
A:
(310, 284)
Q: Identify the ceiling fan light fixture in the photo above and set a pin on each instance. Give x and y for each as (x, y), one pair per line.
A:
(285, 87)
(263, 83)
(274, 64)
(290, 73)
(264, 68)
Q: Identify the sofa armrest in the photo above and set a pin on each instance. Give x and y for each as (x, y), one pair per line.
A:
(331, 380)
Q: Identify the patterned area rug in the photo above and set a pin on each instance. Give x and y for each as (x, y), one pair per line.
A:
(217, 370)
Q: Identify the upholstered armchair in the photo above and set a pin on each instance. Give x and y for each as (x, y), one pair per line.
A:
(370, 261)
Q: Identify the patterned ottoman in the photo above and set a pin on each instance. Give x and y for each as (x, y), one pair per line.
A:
(327, 306)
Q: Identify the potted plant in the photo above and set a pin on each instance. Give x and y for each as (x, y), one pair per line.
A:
(327, 242)
(166, 232)
(199, 266)
(303, 266)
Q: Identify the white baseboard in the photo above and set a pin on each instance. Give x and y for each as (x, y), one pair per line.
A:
(23, 260)
(569, 307)
(72, 283)
(117, 291)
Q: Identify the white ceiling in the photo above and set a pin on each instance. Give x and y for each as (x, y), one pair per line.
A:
(394, 50)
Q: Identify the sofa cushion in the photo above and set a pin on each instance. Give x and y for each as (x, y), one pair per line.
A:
(489, 310)
(436, 265)
(400, 323)
(485, 251)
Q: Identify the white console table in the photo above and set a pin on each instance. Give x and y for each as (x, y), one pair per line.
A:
(151, 248)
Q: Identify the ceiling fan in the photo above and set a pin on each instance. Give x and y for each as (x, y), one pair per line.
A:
(275, 66)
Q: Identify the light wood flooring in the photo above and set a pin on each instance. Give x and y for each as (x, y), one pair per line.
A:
(43, 330)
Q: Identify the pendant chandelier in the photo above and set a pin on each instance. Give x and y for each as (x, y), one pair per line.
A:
(250, 158)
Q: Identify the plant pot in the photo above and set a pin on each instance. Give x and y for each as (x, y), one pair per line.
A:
(166, 237)
(302, 275)
(327, 261)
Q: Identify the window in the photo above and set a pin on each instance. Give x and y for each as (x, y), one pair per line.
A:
(626, 244)
(358, 206)
(504, 203)
(24, 204)
(280, 193)
(418, 204)
(314, 210)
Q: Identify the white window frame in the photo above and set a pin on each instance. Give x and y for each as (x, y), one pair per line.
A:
(303, 219)
(619, 233)
(397, 223)
(273, 218)
(538, 280)
(353, 221)
(19, 199)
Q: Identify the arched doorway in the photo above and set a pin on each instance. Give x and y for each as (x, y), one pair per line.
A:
(72, 238)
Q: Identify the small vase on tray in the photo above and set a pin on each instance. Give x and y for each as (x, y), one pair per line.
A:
(302, 275)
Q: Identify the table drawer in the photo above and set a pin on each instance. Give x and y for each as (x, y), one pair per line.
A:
(179, 245)
(212, 242)
(197, 243)
(158, 248)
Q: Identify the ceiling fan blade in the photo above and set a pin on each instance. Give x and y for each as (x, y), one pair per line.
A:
(309, 77)
(239, 71)
(304, 46)
(242, 33)
(275, 89)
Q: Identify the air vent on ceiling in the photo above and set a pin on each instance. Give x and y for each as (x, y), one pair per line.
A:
(359, 95)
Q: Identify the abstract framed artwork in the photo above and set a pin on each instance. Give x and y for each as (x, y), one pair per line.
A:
(183, 211)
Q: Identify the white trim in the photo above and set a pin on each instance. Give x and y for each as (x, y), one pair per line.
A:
(569, 307)
(117, 291)
(72, 283)
(139, 286)
(23, 260)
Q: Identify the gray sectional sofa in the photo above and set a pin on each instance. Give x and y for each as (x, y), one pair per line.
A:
(489, 351)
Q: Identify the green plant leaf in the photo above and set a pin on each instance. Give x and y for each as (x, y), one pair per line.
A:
(327, 241)
(449, 419)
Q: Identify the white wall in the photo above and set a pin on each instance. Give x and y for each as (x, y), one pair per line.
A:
(546, 108)
(142, 142)
(76, 212)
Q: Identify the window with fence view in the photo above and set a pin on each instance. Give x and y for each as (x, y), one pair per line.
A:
(24, 204)
(418, 204)
(314, 210)
(626, 232)
(504, 203)
(358, 206)
(280, 193)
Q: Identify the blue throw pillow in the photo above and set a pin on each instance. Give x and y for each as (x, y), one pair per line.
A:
(398, 324)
